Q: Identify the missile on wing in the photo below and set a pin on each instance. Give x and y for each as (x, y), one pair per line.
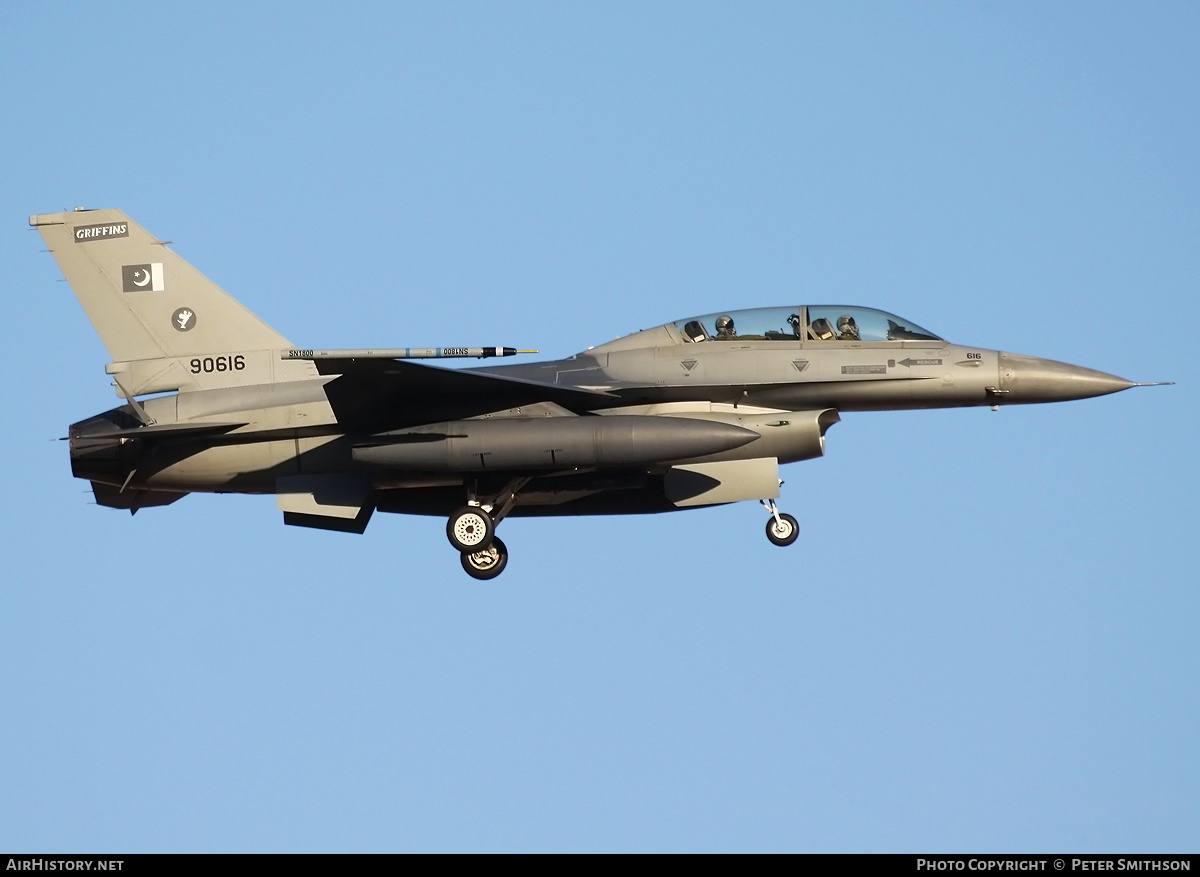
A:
(403, 353)
(551, 443)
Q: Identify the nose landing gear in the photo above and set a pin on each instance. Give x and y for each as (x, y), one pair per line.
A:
(782, 529)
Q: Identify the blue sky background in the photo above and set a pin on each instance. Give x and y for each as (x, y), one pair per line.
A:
(985, 639)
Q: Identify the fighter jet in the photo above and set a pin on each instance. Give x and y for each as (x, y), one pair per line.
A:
(697, 412)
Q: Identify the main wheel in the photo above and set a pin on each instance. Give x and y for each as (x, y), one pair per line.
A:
(488, 563)
(785, 531)
(470, 529)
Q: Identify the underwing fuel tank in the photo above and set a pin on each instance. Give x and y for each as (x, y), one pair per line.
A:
(550, 443)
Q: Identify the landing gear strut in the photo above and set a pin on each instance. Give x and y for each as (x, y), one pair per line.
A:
(782, 529)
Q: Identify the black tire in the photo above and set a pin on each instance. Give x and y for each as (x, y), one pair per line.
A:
(488, 563)
(785, 535)
(470, 529)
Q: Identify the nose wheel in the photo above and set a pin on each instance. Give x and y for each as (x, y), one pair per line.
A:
(782, 529)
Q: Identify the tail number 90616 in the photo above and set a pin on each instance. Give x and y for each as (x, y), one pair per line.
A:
(209, 364)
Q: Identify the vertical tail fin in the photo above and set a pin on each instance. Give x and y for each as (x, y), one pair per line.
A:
(144, 301)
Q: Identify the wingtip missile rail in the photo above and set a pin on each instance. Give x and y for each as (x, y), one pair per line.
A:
(402, 353)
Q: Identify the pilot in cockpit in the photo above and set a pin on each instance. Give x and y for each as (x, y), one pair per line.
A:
(725, 330)
(847, 329)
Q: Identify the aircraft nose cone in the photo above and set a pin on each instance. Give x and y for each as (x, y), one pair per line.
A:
(1026, 379)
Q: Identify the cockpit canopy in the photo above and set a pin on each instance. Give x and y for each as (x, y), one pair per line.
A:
(808, 323)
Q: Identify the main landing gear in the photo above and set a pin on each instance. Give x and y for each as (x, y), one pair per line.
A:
(782, 529)
(472, 532)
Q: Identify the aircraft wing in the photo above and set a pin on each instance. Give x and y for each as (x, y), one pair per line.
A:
(369, 395)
